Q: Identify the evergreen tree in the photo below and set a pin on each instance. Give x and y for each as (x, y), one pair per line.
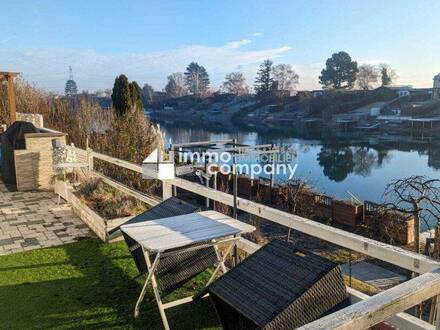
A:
(197, 79)
(71, 88)
(386, 80)
(121, 95)
(136, 96)
(126, 95)
(264, 81)
(340, 72)
(388, 75)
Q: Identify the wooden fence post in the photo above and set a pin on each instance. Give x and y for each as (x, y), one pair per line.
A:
(90, 159)
(167, 190)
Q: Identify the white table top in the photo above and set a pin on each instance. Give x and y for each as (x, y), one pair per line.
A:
(184, 230)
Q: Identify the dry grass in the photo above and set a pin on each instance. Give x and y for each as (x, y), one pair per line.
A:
(108, 202)
(341, 256)
(361, 286)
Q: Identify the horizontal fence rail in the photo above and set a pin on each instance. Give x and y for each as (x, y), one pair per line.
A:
(382, 306)
(151, 200)
(122, 163)
(392, 254)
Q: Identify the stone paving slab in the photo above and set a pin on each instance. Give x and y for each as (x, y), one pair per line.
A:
(32, 220)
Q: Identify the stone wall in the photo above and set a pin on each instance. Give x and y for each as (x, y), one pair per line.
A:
(34, 165)
(33, 118)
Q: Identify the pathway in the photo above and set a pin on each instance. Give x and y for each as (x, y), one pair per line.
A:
(32, 220)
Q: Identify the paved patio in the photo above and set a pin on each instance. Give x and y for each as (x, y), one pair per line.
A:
(32, 220)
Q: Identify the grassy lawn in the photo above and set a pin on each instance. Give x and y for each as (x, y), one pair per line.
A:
(87, 285)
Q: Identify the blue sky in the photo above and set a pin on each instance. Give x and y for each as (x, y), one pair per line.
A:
(148, 40)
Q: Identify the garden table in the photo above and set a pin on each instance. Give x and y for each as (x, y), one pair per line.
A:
(183, 233)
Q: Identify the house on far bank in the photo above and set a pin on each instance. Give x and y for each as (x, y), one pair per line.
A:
(416, 94)
(317, 93)
(401, 91)
(278, 93)
(159, 97)
(365, 113)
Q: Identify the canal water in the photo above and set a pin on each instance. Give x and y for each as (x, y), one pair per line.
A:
(334, 165)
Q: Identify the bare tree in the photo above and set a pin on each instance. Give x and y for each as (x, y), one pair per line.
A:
(286, 78)
(235, 83)
(294, 197)
(417, 196)
(367, 77)
(176, 85)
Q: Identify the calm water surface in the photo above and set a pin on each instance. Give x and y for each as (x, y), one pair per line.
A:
(335, 166)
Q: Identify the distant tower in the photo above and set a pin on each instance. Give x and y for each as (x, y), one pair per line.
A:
(436, 87)
(71, 88)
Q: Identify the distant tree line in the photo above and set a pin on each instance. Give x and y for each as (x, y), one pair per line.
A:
(195, 81)
(340, 73)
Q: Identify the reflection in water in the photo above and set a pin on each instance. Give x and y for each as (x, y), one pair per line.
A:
(364, 159)
(337, 162)
(434, 158)
(336, 165)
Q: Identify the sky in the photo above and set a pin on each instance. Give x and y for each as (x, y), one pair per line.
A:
(148, 40)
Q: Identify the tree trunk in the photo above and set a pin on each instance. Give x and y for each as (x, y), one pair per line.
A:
(417, 234)
(437, 242)
(417, 229)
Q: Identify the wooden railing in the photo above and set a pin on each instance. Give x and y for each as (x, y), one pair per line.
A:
(399, 320)
(387, 305)
(88, 156)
